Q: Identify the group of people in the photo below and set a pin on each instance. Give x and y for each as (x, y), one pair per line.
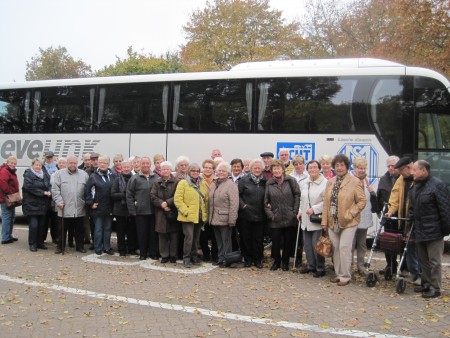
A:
(171, 212)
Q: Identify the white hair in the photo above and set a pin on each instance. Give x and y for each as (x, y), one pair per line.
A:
(224, 164)
(166, 164)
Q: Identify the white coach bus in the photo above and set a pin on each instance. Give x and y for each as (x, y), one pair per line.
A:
(360, 107)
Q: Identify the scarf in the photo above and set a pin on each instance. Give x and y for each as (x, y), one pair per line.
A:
(157, 172)
(39, 174)
(123, 180)
(279, 180)
(334, 202)
(255, 179)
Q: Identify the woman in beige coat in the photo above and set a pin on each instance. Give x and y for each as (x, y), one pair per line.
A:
(223, 209)
(343, 203)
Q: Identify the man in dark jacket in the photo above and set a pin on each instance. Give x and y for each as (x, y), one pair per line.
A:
(429, 209)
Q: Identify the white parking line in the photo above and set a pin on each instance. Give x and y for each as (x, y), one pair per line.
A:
(200, 311)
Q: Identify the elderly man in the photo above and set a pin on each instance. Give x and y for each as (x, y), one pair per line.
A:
(267, 158)
(399, 204)
(68, 194)
(86, 162)
(429, 209)
(283, 156)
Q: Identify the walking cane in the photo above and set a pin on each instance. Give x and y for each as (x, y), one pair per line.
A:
(296, 243)
(63, 235)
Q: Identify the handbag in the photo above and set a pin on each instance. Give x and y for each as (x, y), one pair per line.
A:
(172, 214)
(13, 200)
(324, 247)
(314, 218)
(391, 242)
(233, 257)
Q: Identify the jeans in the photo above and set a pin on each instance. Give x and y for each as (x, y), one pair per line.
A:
(8, 216)
(102, 232)
(412, 259)
(36, 225)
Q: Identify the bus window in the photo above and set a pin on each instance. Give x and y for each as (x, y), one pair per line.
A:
(132, 108)
(306, 105)
(14, 111)
(63, 109)
(213, 106)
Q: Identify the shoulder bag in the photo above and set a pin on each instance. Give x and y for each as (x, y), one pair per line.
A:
(13, 200)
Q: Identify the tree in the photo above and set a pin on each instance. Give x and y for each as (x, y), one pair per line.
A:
(228, 32)
(137, 63)
(55, 63)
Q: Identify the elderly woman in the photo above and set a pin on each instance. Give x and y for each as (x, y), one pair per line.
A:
(167, 226)
(360, 171)
(281, 201)
(344, 200)
(181, 167)
(36, 201)
(191, 199)
(223, 209)
(98, 200)
(311, 203)
(251, 213)
(8, 185)
(325, 162)
(157, 160)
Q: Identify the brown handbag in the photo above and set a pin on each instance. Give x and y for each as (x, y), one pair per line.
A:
(13, 200)
(324, 247)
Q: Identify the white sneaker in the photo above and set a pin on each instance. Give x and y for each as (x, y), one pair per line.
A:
(410, 278)
(418, 281)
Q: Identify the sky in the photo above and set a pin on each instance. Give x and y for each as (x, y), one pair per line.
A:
(96, 31)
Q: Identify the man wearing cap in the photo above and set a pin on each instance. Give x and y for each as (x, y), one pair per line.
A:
(399, 204)
(50, 163)
(430, 212)
(267, 158)
(94, 163)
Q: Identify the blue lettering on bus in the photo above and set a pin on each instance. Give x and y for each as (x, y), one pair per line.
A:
(362, 150)
(306, 149)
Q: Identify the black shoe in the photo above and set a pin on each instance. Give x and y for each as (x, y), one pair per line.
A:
(42, 247)
(98, 252)
(33, 248)
(58, 251)
(275, 266)
(285, 267)
(248, 264)
(9, 241)
(431, 293)
(306, 270)
(142, 258)
(421, 288)
(91, 247)
(319, 274)
(122, 254)
(164, 260)
(71, 245)
(82, 250)
(173, 260)
(15, 239)
(109, 252)
(218, 263)
(258, 265)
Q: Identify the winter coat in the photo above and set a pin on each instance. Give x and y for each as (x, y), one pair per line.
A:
(251, 199)
(384, 190)
(138, 194)
(189, 202)
(281, 203)
(223, 203)
(8, 182)
(118, 195)
(164, 191)
(429, 209)
(98, 190)
(34, 201)
(69, 188)
(312, 194)
(351, 201)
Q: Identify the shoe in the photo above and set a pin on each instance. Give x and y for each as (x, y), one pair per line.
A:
(91, 247)
(42, 247)
(87, 241)
(142, 258)
(33, 248)
(421, 288)
(122, 254)
(285, 267)
(82, 250)
(218, 263)
(342, 283)
(306, 270)
(9, 241)
(15, 239)
(275, 266)
(109, 252)
(431, 293)
(334, 280)
(71, 245)
(418, 281)
(319, 274)
(164, 260)
(206, 258)
(98, 252)
(187, 264)
(58, 251)
(258, 265)
(195, 261)
(173, 260)
(247, 264)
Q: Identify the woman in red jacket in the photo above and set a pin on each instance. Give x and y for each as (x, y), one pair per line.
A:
(8, 185)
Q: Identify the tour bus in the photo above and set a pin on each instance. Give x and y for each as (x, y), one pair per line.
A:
(358, 107)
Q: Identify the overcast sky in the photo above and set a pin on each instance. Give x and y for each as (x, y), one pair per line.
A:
(96, 31)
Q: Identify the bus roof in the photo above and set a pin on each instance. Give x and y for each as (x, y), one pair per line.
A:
(254, 70)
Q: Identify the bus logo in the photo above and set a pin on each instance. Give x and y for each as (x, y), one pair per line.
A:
(362, 150)
(306, 149)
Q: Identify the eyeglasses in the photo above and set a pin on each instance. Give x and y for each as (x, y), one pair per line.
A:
(195, 171)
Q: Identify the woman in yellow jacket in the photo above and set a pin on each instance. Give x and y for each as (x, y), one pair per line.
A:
(191, 200)
(344, 200)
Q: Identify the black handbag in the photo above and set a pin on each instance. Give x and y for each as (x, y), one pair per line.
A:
(233, 257)
(172, 214)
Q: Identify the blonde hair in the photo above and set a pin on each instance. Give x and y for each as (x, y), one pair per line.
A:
(359, 161)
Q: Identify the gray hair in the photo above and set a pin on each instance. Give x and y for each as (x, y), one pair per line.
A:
(392, 158)
(166, 164)
(193, 166)
(256, 160)
(180, 159)
(224, 164)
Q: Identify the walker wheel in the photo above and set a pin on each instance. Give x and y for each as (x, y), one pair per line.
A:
(388, 273)
(371, 279)
(401, 286)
